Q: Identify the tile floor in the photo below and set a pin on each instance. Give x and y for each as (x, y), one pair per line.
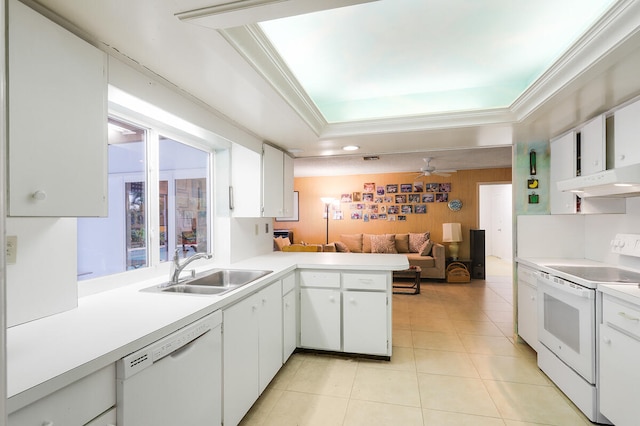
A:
(454, 363)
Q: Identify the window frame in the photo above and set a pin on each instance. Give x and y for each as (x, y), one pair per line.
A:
(154, 130)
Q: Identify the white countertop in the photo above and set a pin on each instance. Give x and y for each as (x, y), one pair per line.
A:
(628, 293)
(50, 353)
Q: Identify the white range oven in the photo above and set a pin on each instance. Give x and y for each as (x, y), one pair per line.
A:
(569, 311)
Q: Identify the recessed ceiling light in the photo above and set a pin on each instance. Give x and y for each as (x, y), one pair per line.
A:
(351, 148)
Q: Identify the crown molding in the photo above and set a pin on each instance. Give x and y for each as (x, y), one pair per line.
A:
(617, 25)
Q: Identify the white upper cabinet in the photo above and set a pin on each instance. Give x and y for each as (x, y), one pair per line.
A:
(57, 119)
(593, 146)
(244, 193)
(277, 183)
(627, 135)
(563, 166)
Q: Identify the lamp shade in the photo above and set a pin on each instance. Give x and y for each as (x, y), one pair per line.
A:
(451, 232)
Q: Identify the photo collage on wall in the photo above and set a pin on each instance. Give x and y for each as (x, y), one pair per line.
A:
(393, 201)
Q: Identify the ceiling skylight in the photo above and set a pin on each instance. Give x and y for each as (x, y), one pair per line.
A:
(395, 58)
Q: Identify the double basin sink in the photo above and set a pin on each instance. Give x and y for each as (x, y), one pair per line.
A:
(215, 282)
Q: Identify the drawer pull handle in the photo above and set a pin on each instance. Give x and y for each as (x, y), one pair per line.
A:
(628, 317)
(606, 340)
(365, 280)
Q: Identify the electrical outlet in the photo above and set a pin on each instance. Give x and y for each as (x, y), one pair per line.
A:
(12, 249)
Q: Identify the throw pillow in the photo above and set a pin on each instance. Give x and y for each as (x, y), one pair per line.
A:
(341, 247)
(425, 249)
(366, 243)
(383, 244)
(353, 242)
(282, 242)
(402, 243)
(417, 240)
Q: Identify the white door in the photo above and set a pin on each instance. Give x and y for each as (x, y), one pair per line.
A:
(619, 376)
(365, 322)
(320, 318)
(240, 359)
(495, 217)
(270, 333)
(289, 325)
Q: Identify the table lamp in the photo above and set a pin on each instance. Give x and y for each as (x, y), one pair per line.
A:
(452, 234)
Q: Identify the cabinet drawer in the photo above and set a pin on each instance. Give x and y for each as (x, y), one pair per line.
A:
(527, 275)
(359, 281)
(75, 404)
(288, 283)
(622, 315)
(326, 279)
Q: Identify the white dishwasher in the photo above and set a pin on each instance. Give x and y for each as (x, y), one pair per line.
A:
(174, 381)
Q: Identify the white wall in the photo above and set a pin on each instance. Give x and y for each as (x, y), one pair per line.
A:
(42, 282)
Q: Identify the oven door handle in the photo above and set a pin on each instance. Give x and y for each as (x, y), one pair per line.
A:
(579, 292)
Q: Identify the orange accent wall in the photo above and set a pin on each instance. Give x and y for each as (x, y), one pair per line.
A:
(311, 227)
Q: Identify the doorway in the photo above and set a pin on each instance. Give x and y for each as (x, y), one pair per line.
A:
(495, 217)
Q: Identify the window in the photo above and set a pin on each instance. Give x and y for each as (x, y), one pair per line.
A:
(125, 239)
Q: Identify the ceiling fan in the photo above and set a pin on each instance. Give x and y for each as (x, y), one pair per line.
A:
(429, 170)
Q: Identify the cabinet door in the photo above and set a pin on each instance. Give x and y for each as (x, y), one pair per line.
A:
(320, 318)
(365, 328)
(272, 182)
(563, 166)
(270, 333)
(619, 377)
(593, 146)
(288, 186)
(240, 358)
(626, 123)
(288, 325)
(528, 313)
(57, 86)
(245, 191)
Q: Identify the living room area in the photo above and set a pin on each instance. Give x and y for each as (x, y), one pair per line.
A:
(330, 210)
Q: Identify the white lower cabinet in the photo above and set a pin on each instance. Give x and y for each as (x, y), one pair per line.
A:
(252, 349)
(364, 316)
(346, 311)
(320, 318)
(85, 402)
(528, 306)
(289, 316)
(619, 355)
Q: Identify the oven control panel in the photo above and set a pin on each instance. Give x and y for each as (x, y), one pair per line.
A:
(627, 244)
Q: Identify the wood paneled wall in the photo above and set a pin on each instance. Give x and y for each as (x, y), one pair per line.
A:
(311, 227)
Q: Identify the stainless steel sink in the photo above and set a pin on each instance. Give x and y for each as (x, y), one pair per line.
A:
(215, 282)
(227, 277)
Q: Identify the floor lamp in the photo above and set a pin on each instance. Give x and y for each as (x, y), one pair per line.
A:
(327, 202)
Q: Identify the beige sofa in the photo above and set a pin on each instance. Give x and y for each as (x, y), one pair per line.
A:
(419, 249)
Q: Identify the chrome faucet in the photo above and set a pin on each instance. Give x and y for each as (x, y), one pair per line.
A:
(177, 267)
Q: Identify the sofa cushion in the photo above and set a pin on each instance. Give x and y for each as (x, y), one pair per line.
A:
(417, 240)
(425, 262)
(402, 243)
(383, 243)
(425, 248)
(329, 248)
(281, 242)
(341, 247)
(353, 242)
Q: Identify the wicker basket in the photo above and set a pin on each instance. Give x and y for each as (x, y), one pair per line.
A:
(457, 273)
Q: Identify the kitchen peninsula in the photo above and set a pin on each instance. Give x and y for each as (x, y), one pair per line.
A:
(47, 356)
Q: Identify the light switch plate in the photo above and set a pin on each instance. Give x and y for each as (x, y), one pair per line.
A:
(12, 249)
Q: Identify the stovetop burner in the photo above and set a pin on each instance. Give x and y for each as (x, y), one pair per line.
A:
(603, 274)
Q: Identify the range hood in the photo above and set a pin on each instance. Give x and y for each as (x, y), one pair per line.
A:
(618, 183)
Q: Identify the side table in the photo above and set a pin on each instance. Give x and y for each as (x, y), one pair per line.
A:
(412, 274)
